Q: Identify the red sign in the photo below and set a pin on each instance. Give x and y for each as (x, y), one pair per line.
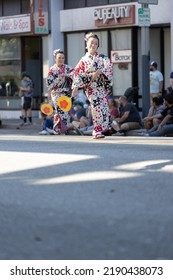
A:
(41, 16)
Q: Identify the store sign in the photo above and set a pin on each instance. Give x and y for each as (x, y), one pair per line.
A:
(121, 56)
(41, 16)
(115, 15)
(15, 24)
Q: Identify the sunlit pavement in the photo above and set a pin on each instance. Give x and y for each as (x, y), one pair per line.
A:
(72, 197)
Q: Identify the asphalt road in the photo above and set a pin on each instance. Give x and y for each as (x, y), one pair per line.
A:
(74, 198)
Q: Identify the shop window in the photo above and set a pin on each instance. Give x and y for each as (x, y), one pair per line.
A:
(75, 42)
(16, 55)
(9, 66)
(122, 72)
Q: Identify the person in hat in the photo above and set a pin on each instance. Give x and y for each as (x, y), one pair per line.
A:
(156, 81)
(26, 94)
(59, 81)
(94, 72)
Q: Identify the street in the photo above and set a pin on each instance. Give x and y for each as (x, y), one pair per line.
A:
(72, 197)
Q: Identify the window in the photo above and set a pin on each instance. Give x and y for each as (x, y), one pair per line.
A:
(121, 40)
(69, 4)
(25, 7)
(1, 8)
(9, 66)
(11, 7)
(14, 7)
(120, 1)
(91, 3)
(31, 56)
(76, 42)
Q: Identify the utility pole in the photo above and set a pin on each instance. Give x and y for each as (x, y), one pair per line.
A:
(144, 22)
(145, 55)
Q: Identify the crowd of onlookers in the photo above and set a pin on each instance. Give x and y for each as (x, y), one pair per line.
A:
(123, 113)
(124, 117)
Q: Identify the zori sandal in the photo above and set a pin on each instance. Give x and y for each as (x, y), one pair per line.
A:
(98, 136)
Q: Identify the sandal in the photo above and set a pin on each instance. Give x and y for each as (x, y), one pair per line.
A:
(98, 136)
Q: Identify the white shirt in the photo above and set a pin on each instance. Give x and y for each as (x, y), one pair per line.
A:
(155, 78)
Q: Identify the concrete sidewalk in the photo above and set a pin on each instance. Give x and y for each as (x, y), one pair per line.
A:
(15, 126)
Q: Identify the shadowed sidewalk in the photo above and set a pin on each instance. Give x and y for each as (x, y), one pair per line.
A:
(15, 125)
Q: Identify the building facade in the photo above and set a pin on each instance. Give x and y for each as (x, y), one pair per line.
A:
(31, 29)
(117, 25)
(24, 36)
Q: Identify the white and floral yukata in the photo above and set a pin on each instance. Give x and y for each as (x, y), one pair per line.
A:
(60, 86)
(96, 91)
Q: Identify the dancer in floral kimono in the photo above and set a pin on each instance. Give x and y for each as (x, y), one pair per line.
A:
(94, 73)
(59, 81)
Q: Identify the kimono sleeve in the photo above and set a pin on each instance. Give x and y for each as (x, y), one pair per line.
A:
(79, 73)
(70, 72)
(106, 68)
(50, 81)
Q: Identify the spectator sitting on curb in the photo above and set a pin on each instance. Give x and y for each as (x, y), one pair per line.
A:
(129, 120)
(86, 122)
(156, 108)
(113, 107)
(114, 114)
(47, 125)
(79, 112)
(166, 125)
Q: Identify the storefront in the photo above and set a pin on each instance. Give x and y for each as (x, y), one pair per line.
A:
(120, 38)
(21, 44)
(27, 42)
